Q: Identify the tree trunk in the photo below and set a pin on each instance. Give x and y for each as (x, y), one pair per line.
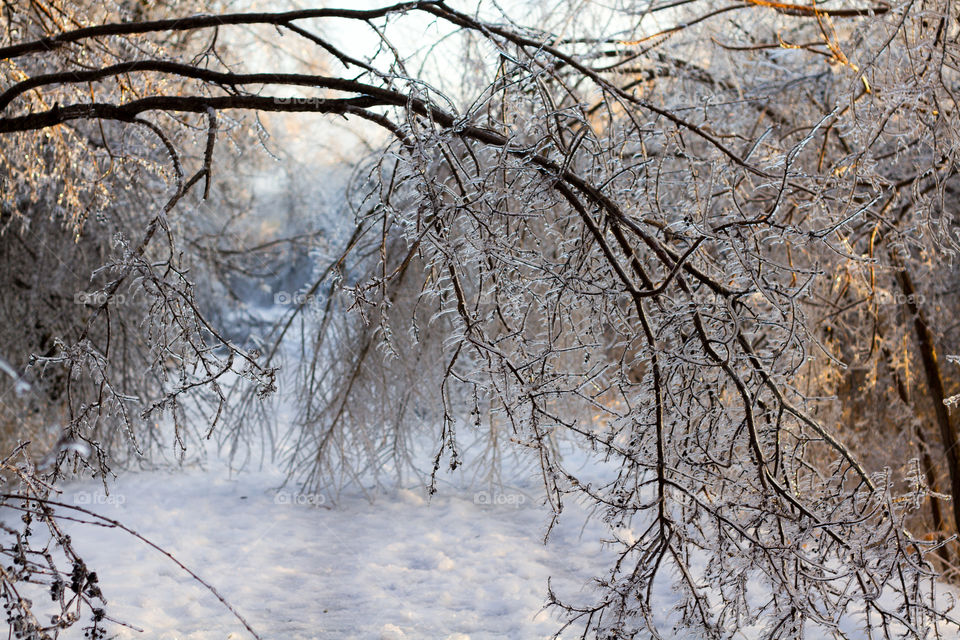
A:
(923, 447)
(928, 355)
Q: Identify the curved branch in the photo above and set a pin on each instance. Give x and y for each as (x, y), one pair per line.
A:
(199, 22)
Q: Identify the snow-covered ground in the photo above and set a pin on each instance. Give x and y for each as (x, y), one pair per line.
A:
(466, 564)
(463, 565)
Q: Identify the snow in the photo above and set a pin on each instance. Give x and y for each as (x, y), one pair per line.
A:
(462, 565)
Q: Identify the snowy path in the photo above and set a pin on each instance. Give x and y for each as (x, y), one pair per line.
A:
(399, 568)
(452, 568)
